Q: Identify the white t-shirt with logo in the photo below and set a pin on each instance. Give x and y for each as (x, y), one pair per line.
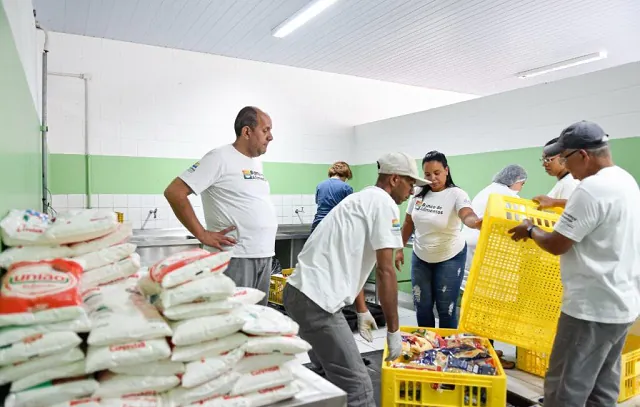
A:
(235, 192)
(564, 187)
(340, 254)
(438, 235)
(601, 272)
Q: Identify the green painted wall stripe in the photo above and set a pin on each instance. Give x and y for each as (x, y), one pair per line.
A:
(19, 132)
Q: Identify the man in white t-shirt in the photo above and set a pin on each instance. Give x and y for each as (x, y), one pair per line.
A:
(236, 200)
(598, 239)
(361, 232)
(565, 186)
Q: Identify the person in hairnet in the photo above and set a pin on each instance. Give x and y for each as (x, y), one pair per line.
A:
(509, 181)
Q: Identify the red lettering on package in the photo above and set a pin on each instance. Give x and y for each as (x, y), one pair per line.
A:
(129, 346)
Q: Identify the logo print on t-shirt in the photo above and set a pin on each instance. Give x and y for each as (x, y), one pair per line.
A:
(251, 174)
(424, 207)
(395, 224)
(194, 167)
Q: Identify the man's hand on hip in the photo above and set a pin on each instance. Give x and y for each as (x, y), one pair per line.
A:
(217, 239)
(366, 323)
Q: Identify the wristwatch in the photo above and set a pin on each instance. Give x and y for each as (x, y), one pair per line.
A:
(530, 229)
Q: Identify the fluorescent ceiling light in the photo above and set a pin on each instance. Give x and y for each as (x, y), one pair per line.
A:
(585, 59)
(301, 17)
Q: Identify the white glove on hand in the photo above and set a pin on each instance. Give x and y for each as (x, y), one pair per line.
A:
(365, 324)
(394, 345)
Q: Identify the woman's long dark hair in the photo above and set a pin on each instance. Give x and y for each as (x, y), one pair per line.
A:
(442, 159)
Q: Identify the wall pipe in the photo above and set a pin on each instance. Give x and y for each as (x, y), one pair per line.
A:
(43, 124)
(87, 161)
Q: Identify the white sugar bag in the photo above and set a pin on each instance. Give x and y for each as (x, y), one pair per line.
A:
(106, 256)
(188, 266)
(289, 345)
(247, 295)
(38, 345)
(58, 392)
(265, 397)
(159, 368)
(109, 357)
(20, 370)
(82, 225)
(13, 334)
(251, 363)
(206, 369)
(121, 314)
(265, 321)
(32, 253)
(215, 347)
(200, 309)
(217, 287)
(111, 273)
(121, 234)
(181, 396)
(83, 402)
(113, 385)
(262, 379)
(136, 401)
(197, 330)
(25, 228)
(73, 369)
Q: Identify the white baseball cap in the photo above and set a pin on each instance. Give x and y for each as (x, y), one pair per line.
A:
(400, 164)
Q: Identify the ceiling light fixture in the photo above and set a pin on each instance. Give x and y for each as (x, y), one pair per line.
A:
(585, 59)
(300, 18)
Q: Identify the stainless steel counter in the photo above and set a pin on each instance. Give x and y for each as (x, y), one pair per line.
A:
(316, 391)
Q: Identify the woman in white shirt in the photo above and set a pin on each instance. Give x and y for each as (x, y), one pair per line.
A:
(436, 215)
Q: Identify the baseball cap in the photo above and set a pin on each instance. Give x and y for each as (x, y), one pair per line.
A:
(400, 164)
(578, 136)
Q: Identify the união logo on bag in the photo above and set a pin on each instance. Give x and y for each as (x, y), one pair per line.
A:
(36, 281)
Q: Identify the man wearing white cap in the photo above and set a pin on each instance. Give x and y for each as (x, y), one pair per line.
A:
(361, 232)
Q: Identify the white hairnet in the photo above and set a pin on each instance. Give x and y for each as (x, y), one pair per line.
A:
(510, 175)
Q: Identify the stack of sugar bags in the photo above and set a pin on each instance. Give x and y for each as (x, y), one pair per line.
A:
(40, 312)
(128, 348)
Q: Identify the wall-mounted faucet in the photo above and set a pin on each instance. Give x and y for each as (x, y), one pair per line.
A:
(153, 212)
(298, 211)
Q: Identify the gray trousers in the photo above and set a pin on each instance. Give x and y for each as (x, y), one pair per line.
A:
(584, 368)
(334, 346)
(254, 273)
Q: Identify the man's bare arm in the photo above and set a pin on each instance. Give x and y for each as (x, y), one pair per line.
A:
(177, 193)
(387, 287)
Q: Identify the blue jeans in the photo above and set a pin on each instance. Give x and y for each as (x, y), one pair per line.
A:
(437, 283)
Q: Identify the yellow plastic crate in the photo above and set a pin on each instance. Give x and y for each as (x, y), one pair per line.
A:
(276, 286)
(532, 362)
(514, 290)
(405, 387)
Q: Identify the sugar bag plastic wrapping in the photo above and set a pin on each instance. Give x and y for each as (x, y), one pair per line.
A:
(25, 228)
(41, 292)
(289, 345)
(106, 256)
(83, 402)
(265, 321)
(112, 384)
(200, 309)
(58, 391)
(196, 330)
(262, 379)
(121, 234)
(265, 397)
(81, 225)
(206, 369)
(188, 266)
(247, 295)
(38, 345)
(182, 396)
(215, 347)
(13, 334)
(135, 401)
(146, 285)
(109, 357)
(217, 287)
(250, 363)
(73, 369)
(159, 368)
(15, 255)
(111, 273)
(20, 370)
(120, 314)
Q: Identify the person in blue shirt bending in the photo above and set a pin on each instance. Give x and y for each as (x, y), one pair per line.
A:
(330, 192)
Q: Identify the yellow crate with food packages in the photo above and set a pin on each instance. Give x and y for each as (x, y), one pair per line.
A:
(514, 290)
(444, 368)
(276, 286)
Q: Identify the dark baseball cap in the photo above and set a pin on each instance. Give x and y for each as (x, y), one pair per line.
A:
(579, 136)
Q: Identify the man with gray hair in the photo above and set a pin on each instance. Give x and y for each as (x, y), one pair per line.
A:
(598, 241)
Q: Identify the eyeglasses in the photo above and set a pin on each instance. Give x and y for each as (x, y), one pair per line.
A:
(547, 160)
(563, 158)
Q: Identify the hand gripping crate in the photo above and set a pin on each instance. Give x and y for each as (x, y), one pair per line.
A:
(514, 290)
(276, 286)
(410, 387)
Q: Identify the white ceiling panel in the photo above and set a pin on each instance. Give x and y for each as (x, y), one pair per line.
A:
(470, 46)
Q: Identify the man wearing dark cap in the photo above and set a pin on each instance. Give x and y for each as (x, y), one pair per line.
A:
(598, 241)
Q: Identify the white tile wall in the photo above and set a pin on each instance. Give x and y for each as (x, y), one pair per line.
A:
(136, 208)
